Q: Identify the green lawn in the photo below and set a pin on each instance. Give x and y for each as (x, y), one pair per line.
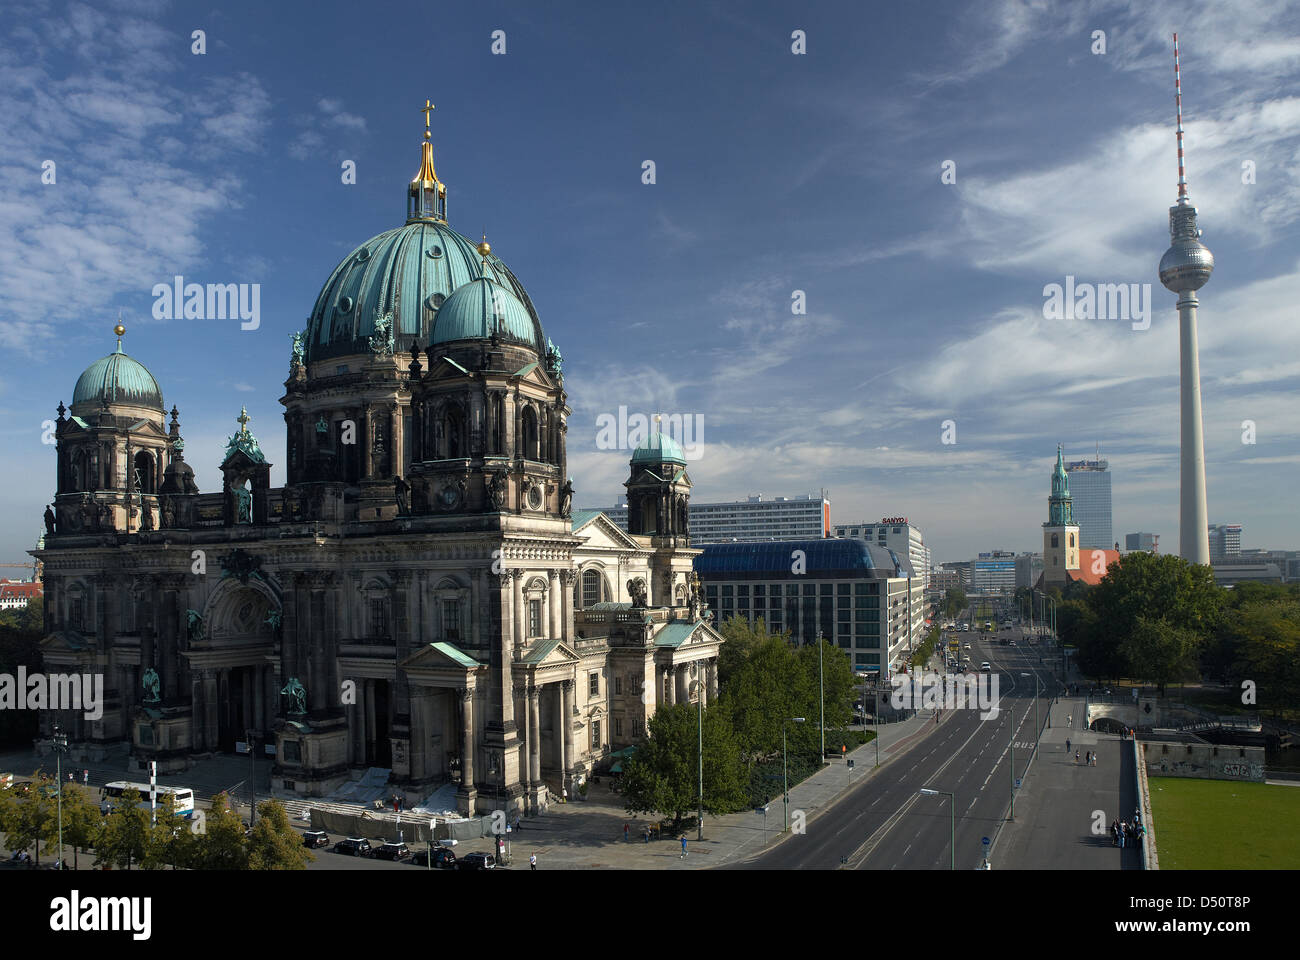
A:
(1225, 824)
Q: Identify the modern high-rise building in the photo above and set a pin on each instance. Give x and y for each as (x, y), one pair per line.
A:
(895, 533)
(1090, 488)
(993, 573)
(1029, 567)
(1149, 542)
(1225, 540)
(859, 596)
(751, 520)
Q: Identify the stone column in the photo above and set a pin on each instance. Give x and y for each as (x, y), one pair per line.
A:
(711, 668)
(567, 579)
(526, 774)
(553, 598)
(681, 682)
(558, 732)
(210, 724)
(521, 611)
(534, 734)
(568, 731)
(467, 791)
(670, 691)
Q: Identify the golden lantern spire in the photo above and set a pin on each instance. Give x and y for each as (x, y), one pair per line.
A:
(119, 329)
(427, 194)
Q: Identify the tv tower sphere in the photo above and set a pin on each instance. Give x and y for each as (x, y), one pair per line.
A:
(1188, 263)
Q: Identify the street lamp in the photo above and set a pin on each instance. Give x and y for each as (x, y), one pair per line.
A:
(60, 745)
(821, 683)
(785, 770)
(926, 791)
(1036, 695)
(698, 686)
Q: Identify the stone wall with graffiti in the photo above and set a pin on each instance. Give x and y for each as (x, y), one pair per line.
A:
(1204, 761)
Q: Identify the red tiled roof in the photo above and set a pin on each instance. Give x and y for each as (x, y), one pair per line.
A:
(1088, 561)
(14, 589)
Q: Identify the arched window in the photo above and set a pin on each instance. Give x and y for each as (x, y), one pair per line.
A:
(144, 474)
(453, 433)
(529, 421)
(1071, 539)
(1056, 540)
(78, 478)
(592, 588)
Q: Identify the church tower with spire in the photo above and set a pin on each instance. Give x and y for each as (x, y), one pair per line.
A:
(1060, 532)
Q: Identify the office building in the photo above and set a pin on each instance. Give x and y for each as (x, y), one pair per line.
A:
(1149, 542)
(1225, 541)
(1029, 567)
(854, 593)
(993, 573)
(893, 533)
(1090, 490)
(751, 520)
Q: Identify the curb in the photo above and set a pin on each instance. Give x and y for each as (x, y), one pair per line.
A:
(1150, 856)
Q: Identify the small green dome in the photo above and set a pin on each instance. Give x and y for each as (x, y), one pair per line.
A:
(117, 378)
(481, 308)
(659, 448)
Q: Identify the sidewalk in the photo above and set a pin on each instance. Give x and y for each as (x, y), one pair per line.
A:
(589, 834)
(1055, 826)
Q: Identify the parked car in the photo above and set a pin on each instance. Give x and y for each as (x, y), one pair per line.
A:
(443, 859)
(315, 838)
(476, 861)
(392, 851)
(355, 847)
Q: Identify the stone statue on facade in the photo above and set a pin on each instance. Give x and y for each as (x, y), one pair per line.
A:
(194, 625)
(566, 497)
(49, 522)
(243, 505)
(381, 343)
(168, 513)
(299, 357)
(151, 684)
(497, 489)
(146, 519)
(297, 695)
(401, 488)
(636, 590)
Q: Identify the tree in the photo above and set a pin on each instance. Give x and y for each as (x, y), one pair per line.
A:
(770, 687)
(170, 840)
(223, 845)
(1152, 587)
(1158, 652)
(122, 837)
(663, 775)
(740, 640)
(81, 819)
(273, 844)
(836, 671)
(954, 601)
(1261, 639)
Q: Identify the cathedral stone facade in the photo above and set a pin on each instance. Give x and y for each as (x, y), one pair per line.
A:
(419, 596)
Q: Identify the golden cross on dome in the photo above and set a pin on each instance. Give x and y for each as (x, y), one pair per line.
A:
(243, 419)
(426, 109)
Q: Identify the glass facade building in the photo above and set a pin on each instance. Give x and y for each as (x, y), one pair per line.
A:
(1090, 490)
(855, 594)
(752, 520)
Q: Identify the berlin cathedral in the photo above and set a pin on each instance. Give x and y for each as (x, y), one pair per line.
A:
(419, 596)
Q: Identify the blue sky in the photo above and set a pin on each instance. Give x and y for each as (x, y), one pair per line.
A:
(775, 172)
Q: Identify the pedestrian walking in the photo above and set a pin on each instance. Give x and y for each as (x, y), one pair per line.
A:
(625, 833)
(645, 835)
(1076, 756)
(85, 778)
(532, 862)
(1094, 758)
(1067, 744)
(1087, 759)
(683, 846)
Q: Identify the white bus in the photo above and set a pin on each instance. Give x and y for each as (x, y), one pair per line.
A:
(183, 796)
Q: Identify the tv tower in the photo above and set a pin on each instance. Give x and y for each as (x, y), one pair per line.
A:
(1184, 269)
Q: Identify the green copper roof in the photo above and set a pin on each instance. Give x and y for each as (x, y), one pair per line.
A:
(659, 448)
(118, 379)
(583, 517)
(455, 653)
(675, 633)
(481, 308)
(408, 272)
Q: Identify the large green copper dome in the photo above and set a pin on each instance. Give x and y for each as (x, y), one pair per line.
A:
(117, 378)
(409, 273)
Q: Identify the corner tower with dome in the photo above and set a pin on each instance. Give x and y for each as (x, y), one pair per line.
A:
(418, 598)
